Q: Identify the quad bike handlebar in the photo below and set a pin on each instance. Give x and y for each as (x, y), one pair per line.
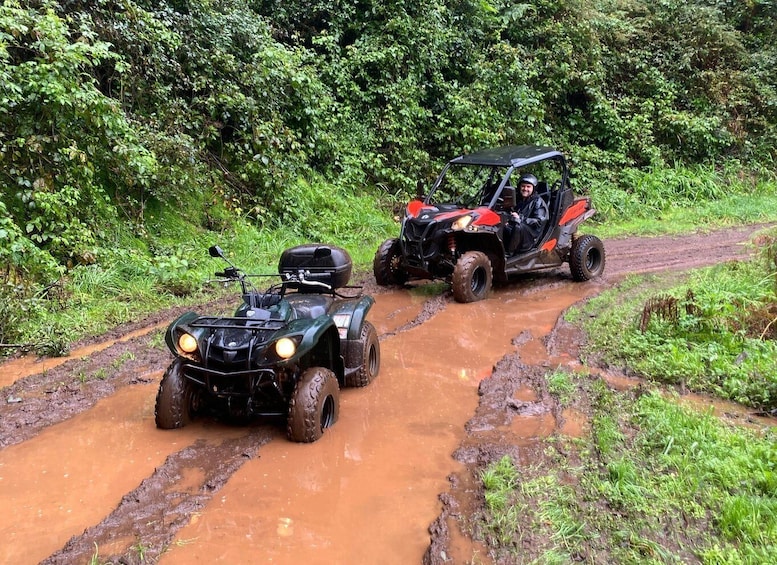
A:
(302, 277)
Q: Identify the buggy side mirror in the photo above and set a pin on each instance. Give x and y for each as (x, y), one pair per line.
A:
(419, 190)
(508, 196)
(215, 251)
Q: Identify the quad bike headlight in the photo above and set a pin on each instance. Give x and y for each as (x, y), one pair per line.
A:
(187, 343)
(285, 347)
(462, 223)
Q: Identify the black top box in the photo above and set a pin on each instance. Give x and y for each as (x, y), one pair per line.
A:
(324, 263)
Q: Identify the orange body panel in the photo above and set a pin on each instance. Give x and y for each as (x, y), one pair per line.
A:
(577, 209)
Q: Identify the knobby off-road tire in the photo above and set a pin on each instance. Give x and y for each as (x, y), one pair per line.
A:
(586, 258)
(369, 357)
(472, 277)
(314, 406)
(386, 264)
(176, 400)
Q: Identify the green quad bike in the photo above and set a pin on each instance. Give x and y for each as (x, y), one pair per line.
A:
(286, 352)
(457, 231)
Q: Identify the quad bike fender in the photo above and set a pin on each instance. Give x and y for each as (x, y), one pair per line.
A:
(179, 325)
(349, 315)
(308, 334)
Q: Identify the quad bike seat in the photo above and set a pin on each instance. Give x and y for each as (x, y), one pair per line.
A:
(310, 305)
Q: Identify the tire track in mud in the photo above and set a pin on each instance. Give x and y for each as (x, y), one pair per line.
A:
(162, 504)
(147, 519)
(430, 307)
(38, 401)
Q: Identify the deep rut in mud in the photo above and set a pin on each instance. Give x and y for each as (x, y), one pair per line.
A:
(85, 470)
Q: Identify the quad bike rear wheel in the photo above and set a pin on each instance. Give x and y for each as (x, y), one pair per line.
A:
(314, 405)
(586, 258)
(472, 277)
(368, 357)
(386, 264)
(176, 400)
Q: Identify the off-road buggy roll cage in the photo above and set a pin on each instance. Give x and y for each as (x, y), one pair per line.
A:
(492, 194)
(457, 231)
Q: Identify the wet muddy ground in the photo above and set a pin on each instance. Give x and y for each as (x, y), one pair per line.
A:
(84, 471)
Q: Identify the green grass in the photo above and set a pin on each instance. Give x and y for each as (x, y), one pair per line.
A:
(561, 385)
(682, 200)
(653, 483)
(711, 332)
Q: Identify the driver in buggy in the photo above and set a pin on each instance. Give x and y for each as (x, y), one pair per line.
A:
(527, 218)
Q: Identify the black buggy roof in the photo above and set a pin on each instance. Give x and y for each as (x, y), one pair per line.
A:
(509, 156)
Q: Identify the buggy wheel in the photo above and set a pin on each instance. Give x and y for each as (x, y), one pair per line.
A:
(586, 258)
(368, 357)
(177, 399)
(314, 406)
(386, 266)
(472, 277)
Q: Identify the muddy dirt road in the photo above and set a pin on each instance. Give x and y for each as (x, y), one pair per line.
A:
(84, 471)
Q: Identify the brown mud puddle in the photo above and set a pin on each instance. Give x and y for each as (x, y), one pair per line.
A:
(73, 474)
(367, 492)
(15, 369)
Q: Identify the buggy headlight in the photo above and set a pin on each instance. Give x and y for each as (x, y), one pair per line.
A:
(462, 223)
(187, 343)
(285, 347)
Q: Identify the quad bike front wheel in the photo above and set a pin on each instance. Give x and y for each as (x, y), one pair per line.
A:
(386, 264)
(472, 277)
(314, 405)
(586, 258)
(368, 357)
(176, 400)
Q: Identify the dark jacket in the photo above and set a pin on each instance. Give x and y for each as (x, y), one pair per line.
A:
(533, 213)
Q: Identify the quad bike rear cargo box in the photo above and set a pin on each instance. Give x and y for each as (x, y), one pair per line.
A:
(325, 263)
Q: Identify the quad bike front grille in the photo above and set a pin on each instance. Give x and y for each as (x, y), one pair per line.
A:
(417, 231)
(225, 359)
(231, 383)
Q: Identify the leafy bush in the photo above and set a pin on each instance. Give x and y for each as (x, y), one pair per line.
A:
(64, 143)
(229, 112)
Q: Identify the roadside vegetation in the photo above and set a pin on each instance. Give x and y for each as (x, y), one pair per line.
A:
(653, 482)
(713, 332)
(135, 134)
(655, 479)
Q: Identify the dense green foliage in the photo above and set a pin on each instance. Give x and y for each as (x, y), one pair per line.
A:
(654, 482)
(144, 126)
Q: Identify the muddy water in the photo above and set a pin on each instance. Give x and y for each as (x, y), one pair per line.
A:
(367, 492)
(17, 368)
(73, 474)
